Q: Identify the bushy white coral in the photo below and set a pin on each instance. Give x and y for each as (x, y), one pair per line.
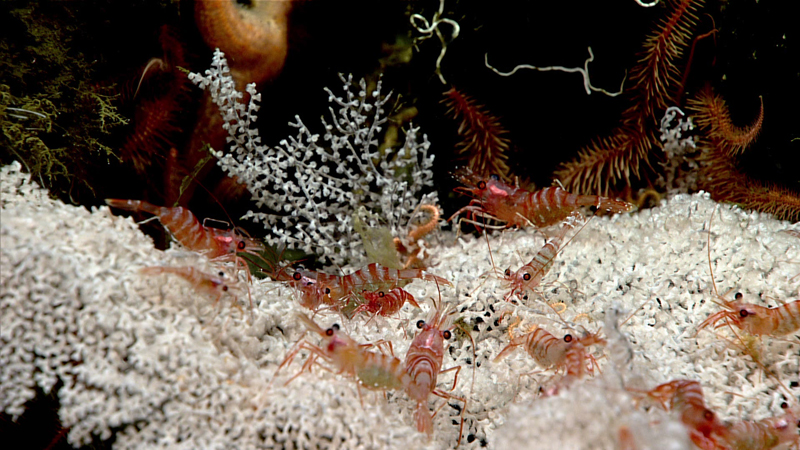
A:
(151, 356)
(310, 187)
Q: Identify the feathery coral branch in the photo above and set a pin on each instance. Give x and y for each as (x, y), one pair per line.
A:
(483, 137)
(610, 160)
(720, 174)
(714, 116)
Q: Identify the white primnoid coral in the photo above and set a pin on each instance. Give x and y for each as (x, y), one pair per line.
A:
(151, 359)
(310, 185)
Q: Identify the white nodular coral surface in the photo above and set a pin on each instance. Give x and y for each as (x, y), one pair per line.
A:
(159, 364)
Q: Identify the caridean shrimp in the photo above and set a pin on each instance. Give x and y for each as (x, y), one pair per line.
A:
(213, 285)
(214, 243)
(416, 376)
(495, 200)
(385, 303)
(754, 319)
(424, 362)
(685, 397)
(187, 230)
(547, 350)
(530, 275)
(317, 288)
(372, 370)
(764, 434)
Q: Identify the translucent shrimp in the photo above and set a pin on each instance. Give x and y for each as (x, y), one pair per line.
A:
(754, 319)
(764, 434)
(495, 200)
(372, 370)
(423, 364)
(187, 230)
(757, 320)
(378, 371)
(212, 285)
(385, 303)
(547, 350)
(685, 398)
(317, 288)
(530, 275)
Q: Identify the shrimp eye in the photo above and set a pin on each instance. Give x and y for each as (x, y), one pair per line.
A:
(221, 274)
(481, 185)
(381, 294)
(297, 276)
(508, 272)
(446, 334)
(327, 290)
(495, 177)
(743, 313)
(329, 332)
(420, 324)
(568, 338)
(784, 405)
(738, 296)
(224, 288)
(526, 276)
(240, 245)
(335, 326)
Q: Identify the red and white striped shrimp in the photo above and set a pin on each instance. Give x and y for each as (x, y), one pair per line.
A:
(187, 230)
(754, 319)
(372, 370)
(495, 200)
(385, 303)
(379, 371)
(757, 320)
(317, 288)
(530, 275)
(213, 285)
(423, 364)
(547, 350)
(764, 434)
(685, 398)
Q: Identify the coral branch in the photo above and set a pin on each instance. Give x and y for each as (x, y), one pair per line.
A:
(720, 174)
(609, 161)
(713, 115)
(484, 141)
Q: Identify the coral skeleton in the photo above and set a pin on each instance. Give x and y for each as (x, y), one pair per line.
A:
(152, 363)
(311, 189)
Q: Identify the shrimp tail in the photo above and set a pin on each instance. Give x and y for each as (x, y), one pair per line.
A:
(423, 419)
(134, 205)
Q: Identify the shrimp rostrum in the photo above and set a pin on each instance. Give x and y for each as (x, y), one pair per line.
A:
(495, 200)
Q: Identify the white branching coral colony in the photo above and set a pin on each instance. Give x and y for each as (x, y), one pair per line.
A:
(151, 363)
(159, 364)
(311, 189)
